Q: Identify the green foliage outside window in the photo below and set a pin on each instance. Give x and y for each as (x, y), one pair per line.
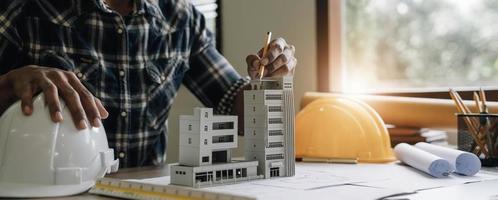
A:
(393, 44)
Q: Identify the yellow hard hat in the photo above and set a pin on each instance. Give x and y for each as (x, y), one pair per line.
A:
(342, 128)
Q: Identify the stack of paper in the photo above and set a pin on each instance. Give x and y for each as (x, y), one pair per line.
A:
(413, 135)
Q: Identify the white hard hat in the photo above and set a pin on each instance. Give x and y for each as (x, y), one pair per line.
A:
(40, 158)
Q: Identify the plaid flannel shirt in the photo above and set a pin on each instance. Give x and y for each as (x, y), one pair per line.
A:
(133, 64)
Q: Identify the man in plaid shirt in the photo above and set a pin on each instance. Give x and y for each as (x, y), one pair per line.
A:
(123, 61)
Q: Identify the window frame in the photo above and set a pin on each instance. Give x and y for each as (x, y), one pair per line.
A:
(331, 61)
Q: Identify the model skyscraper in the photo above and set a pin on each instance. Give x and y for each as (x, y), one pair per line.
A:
(269, 126)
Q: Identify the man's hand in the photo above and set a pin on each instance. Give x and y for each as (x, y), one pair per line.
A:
(279, 61)
(27, 81)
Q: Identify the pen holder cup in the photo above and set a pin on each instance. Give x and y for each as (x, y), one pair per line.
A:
(477, 131)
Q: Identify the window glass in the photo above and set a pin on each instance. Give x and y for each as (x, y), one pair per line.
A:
(401, 44)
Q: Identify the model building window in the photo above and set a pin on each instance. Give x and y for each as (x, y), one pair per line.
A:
(273, 97)
(219, 156)
(206, 128)
(189, 140)
(275, 121)
(190, 127)
(274, 108)
(222, 125)
(275, 144)
(224, 174)
(218, 175)
(244, 172)
(274, 171)
(205, 141)
(275, 132)
(205, 159)
(210, 176)
(205, 114)
(201, 177)
(274, 156)
(238, 173)
(223, 139)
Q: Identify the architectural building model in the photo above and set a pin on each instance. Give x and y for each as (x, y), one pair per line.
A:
(269, 126)
(205, 158)
(206, 139)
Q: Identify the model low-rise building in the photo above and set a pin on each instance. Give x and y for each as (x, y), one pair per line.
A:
(206, 141)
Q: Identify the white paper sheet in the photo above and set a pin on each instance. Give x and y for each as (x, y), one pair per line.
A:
(408, 179)
(462, 162)
(365, 181)
(422, 160)
(482, 190)
(306, 179)
(397, 176)
(343, 192)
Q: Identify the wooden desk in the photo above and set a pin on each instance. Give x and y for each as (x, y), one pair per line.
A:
(131, 173)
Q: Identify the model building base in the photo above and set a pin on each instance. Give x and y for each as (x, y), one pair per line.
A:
(215, 174)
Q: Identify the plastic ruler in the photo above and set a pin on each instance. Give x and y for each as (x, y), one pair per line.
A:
(134, 190)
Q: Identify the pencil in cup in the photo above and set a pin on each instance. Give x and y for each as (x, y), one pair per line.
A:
(466, 141)
(471, 123)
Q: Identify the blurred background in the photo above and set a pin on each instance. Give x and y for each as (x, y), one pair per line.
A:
(416, 48)
(403, 44)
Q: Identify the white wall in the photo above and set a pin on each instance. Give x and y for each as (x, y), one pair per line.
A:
(245, 23)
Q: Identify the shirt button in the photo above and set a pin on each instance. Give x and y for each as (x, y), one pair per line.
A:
(163, 78)
(121, 155)
(123, 114)
(120, 30)
(121, 73)
(79, 75)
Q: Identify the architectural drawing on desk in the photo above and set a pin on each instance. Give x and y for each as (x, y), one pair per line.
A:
(205, 157)
(269, 126)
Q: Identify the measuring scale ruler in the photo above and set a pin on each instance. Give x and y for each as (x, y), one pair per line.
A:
(132, 190)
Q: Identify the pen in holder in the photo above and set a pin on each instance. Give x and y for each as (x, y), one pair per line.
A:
(477, 133)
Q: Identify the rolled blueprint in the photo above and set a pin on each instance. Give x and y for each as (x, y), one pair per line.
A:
(462, 162)
(422, 160)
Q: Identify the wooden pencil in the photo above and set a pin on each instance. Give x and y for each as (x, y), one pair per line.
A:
(265, 51)
(478, 106)
(483, 100)
(474, 132)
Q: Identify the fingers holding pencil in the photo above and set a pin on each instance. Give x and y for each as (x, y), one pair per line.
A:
(278, 60)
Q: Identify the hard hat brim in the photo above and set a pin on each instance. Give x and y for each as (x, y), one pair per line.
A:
(21, 190)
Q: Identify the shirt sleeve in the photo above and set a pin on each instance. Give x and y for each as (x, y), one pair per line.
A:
(11, 51)
(211, 78)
